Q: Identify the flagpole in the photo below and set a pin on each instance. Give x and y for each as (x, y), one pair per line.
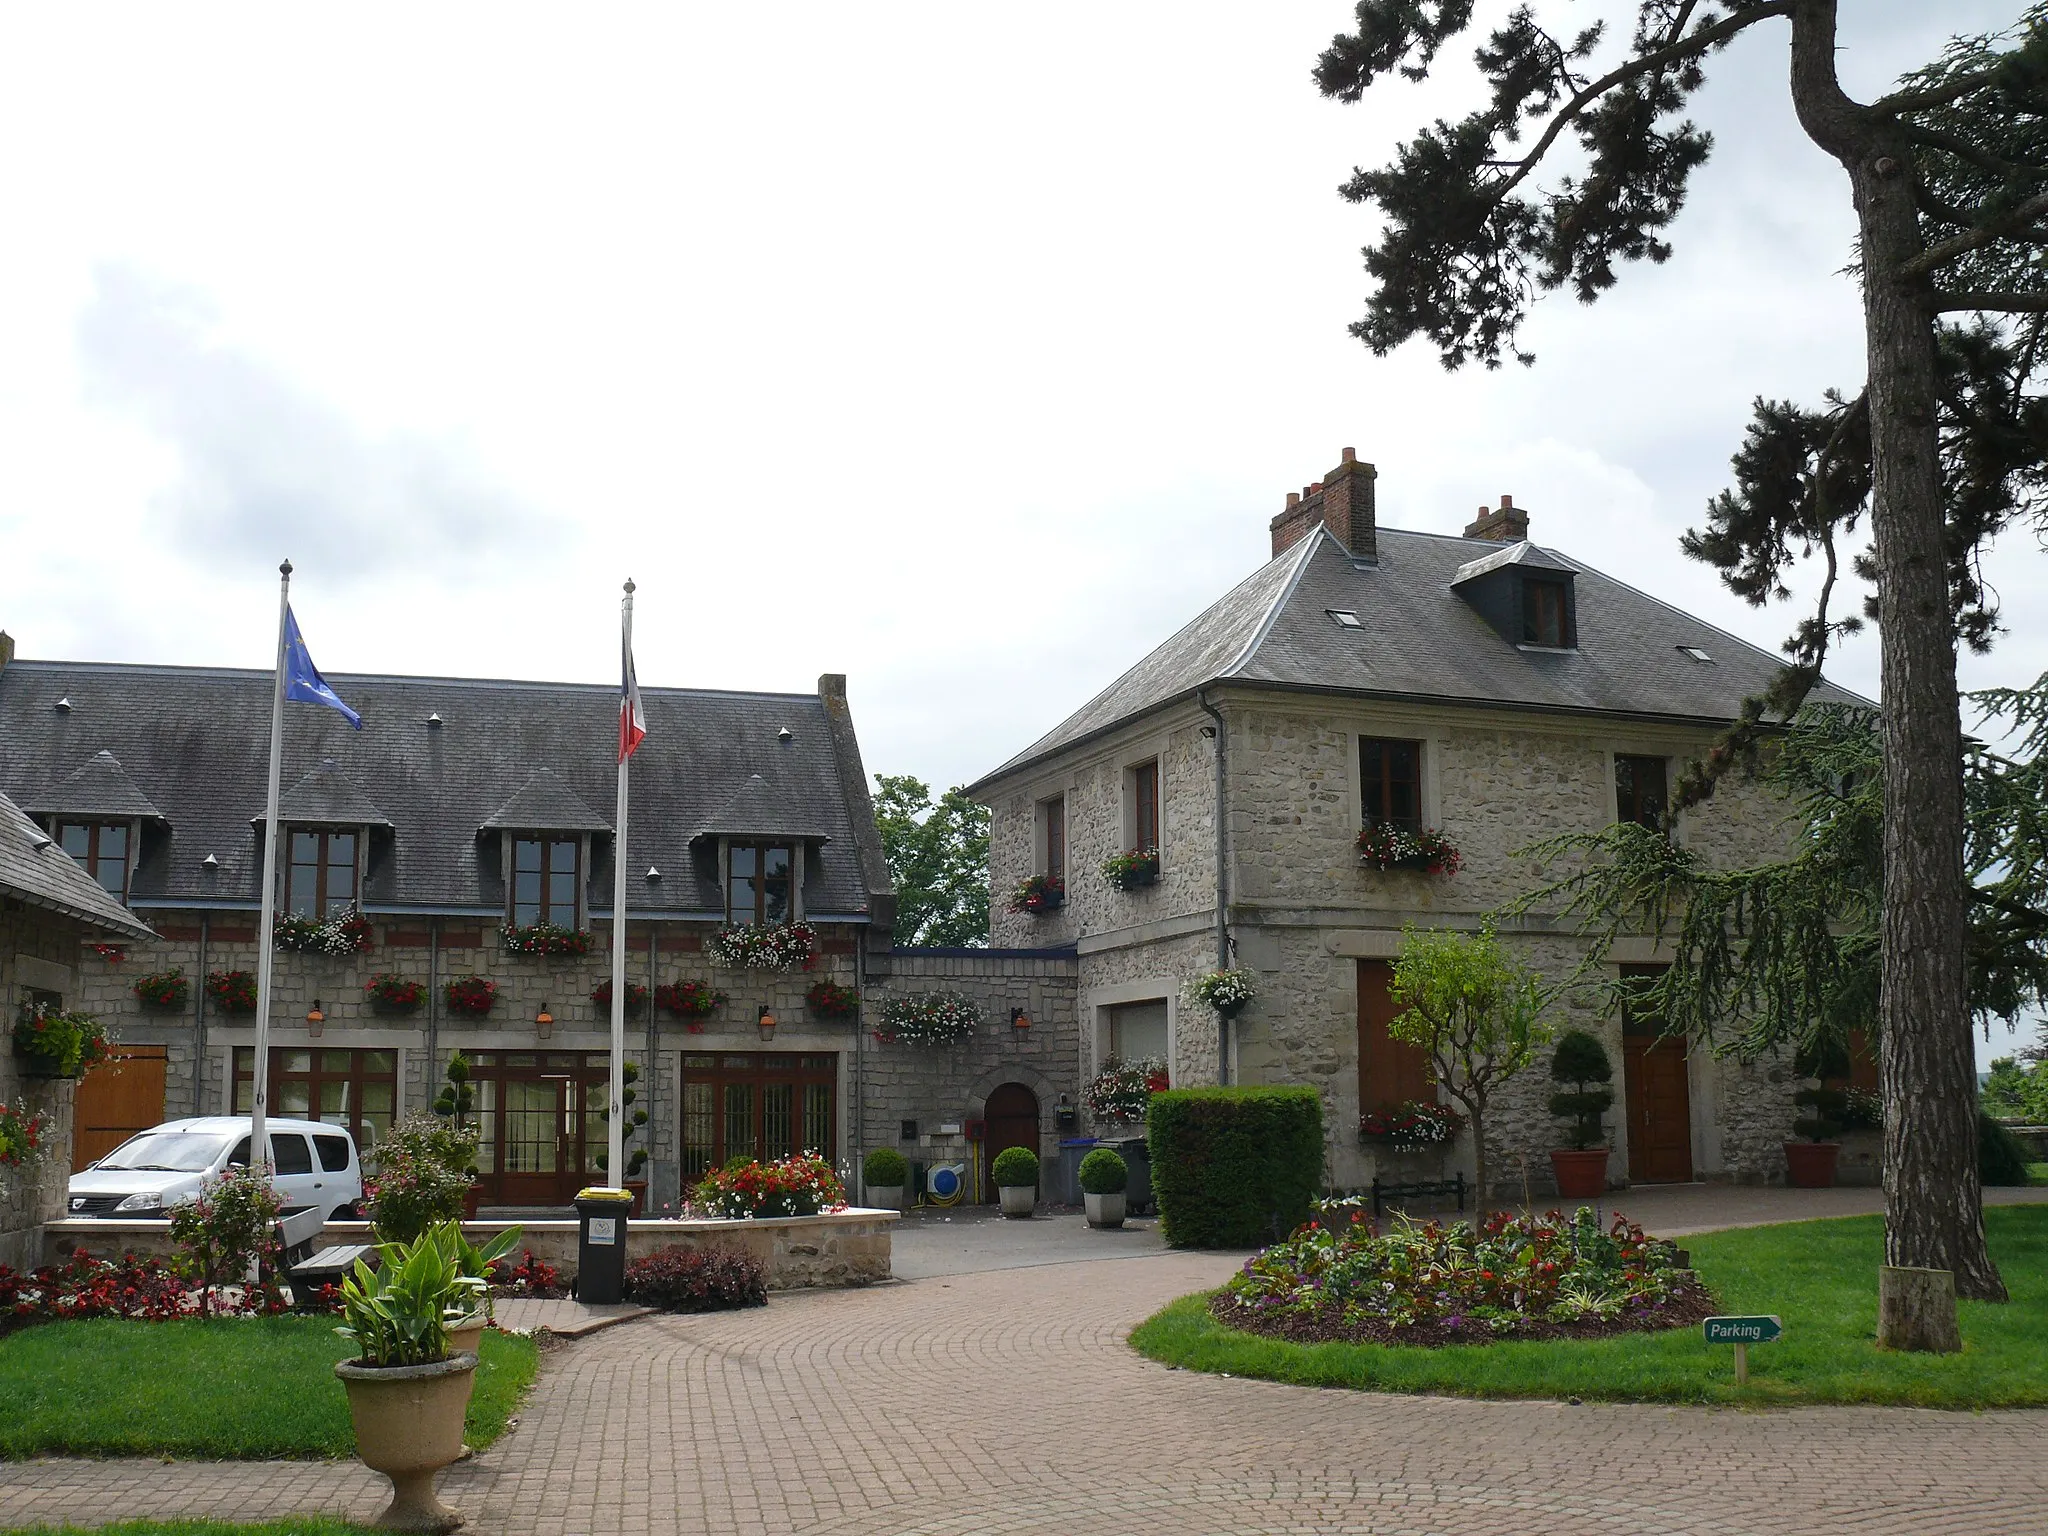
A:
(615, 1150)
(259, 1143)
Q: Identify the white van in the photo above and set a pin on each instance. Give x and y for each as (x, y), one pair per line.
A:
(152, 1172)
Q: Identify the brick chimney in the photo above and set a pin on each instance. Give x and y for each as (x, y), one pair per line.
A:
(1343, 501)
(1505, 524)
(6, 649)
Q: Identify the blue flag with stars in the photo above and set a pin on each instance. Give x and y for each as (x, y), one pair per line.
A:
(302, 680)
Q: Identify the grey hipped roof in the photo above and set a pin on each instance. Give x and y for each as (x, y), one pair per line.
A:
(546, 803)
(327, 797)
(199, 739)
(1418, 639)
(761, 807)
(101, 787)
(35, 870)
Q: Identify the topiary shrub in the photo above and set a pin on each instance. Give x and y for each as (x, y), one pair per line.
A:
(698, 1280)
(1581, 1060)
(1103, 1172)
(885, 1168)
(1825, 1106)
(1016, 1168)
(2001, 1156)
(1234, 1167)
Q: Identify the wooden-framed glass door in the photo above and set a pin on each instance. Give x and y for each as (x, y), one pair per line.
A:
(541, 1118)
(761, 1104)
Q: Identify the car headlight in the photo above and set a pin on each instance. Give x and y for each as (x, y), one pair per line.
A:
(153, 1200)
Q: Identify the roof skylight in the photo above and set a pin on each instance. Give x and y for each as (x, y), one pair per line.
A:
(1345, 618)
(1697, 654)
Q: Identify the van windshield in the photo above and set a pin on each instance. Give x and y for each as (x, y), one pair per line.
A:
(169, 1151)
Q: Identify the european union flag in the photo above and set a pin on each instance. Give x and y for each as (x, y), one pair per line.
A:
(302, 680)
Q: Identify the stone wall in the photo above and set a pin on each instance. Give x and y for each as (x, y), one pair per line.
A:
(39, 951)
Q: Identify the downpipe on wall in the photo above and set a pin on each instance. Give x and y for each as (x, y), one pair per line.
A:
(1221, 732)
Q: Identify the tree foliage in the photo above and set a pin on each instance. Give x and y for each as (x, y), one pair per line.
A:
(938, 857)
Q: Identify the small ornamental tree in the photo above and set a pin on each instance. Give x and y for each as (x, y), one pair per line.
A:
(1476, 1013)
(1825, 1105)
(1581, 1060)
(458, 1099)
(229, 1229)
(636, 1157)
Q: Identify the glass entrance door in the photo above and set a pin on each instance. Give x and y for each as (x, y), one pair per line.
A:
(541, 1115)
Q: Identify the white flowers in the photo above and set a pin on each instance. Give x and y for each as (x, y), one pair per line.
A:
(1224, 991)
(927, 1018)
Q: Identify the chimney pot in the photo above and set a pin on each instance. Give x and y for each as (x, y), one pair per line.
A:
(1294, 498)
(1350, 455)
(1505, 524)
(1316, 487)
(1507, 502)
(1343, 503)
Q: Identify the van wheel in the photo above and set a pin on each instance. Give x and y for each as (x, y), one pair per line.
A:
(345, 1213)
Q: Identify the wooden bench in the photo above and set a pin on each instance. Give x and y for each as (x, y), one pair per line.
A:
(327, 1267)
(1384, 1190)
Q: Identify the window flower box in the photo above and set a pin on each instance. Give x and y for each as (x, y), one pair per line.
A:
(232, 991)
(545, 939)
(470, 996)
(927, 1018)
(691, 1001)
(1132, 870)
(636, 998)
(1386, 847)
(762, 947)
(1039, 894)
(166, 990)
(1228, 992)
(349, 934)
(1416, 1126)
(829, 1000)
(393, 996)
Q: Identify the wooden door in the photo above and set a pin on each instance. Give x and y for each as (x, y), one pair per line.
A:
(1659, 1110)
(1012, 1121)
(533, 1140)
(117, 1099)
(1389, 1073)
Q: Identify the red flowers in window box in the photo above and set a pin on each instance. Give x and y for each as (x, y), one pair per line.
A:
(691, 1001)
(830, 1000)
(545, 939)
(393, 994)
(471, 996)
(232, 991)
(1387, 847)
(1039, 893)
(1133, 869)
(166, 989)
(1412, 1126)
(636, 997)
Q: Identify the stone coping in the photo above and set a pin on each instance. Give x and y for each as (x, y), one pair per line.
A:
(81, 1229)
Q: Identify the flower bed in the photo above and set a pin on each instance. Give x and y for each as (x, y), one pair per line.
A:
(1122, 1089)
(544, 939)
(1039, 893)
(393, 994)
(232, 991)
(61, 1044)
(1429, 851)
(530, 1276)
(636, 997)
(678, 1279)
(1128, 871)
(1512, 1277)
(691, 1001)
(165, 989)
(927, 1018)
(470, 996)
(802, 1185)
(782, 947)
(140, 1289)
(1411, 1127)
(1225, 991)
(349, 934)
(829, 1000)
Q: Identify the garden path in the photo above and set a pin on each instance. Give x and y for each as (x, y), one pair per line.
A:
(1004, 1403)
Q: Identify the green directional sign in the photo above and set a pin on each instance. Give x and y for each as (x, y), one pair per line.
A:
(1743, 1330)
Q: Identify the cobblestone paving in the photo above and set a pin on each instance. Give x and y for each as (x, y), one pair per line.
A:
(1006, 1404)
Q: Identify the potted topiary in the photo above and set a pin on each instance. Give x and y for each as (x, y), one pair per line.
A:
(1810, 1164)
(454, 1105)
(629, 1127)
(1103, 1177)
(1016, 1175)
(886, 1174)
(407, 1390)
(1581, 1166)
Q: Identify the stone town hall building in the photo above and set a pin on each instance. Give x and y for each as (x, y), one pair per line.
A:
(1485, 685)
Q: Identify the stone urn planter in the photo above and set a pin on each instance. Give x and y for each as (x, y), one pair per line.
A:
(885, 1197)
(1580, 1175)
(408, 1422)
(1104, 1211)
(1811, 1164)
(466, 1338)
(1018, 1200)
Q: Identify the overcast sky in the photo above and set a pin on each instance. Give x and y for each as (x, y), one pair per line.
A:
(964, 349)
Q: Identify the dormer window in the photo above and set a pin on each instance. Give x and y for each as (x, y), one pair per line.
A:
(101, 849)
(760, 883)
(547, 875)
(320, 873)
(1547, 614)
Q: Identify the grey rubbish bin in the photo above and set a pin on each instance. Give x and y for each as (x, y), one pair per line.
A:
(1072, 1149)
(601, 1245)
(1138, 1161)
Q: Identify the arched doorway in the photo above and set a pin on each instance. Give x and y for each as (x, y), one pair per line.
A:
(1011, 1120)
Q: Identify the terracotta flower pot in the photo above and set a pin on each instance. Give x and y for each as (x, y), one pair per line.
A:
(1811, 1164)
(1580, 1175)
(637, 1188)
(408, 1422)
(1019, 1200)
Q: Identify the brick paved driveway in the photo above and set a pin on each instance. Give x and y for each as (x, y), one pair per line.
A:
(1005, 1403)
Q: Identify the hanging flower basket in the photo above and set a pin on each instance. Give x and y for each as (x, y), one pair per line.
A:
(636, 998)
(782, 947)
(927, 1018)
(691, 1001)
(1129, 871)
(349, 934)
(113, 954)
(829, 1000)
(53, 1044)
(1123, 1090)
(166, 989)
(21, 1135)
(545, 939)
(232, 991)
(1040, 893)
(393, 995)
(470, 996)
(1225, 991)
(1416, 1126)
(1428, 851)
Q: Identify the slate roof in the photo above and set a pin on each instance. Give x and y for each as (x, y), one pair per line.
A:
(327, 797)
(194, 741)
(101, 787)
(1418, 639)
(36, 870)
(759, 807)
(546, 803)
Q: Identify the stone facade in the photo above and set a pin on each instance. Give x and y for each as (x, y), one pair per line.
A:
(38, 952)
(1303, 912)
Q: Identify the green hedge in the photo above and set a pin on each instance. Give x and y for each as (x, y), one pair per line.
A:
(2001, 1157)
(1234, 1167)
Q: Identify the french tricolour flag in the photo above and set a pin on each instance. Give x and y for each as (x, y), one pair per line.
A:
(632, 717)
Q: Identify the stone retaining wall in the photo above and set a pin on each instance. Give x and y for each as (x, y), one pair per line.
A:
(843, 1248)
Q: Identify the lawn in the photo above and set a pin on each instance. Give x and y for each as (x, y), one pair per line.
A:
(1819, 1276)
(304, 1525)
(233, 1389)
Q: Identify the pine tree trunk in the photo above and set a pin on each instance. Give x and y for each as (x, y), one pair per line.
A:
(1933, 1204)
